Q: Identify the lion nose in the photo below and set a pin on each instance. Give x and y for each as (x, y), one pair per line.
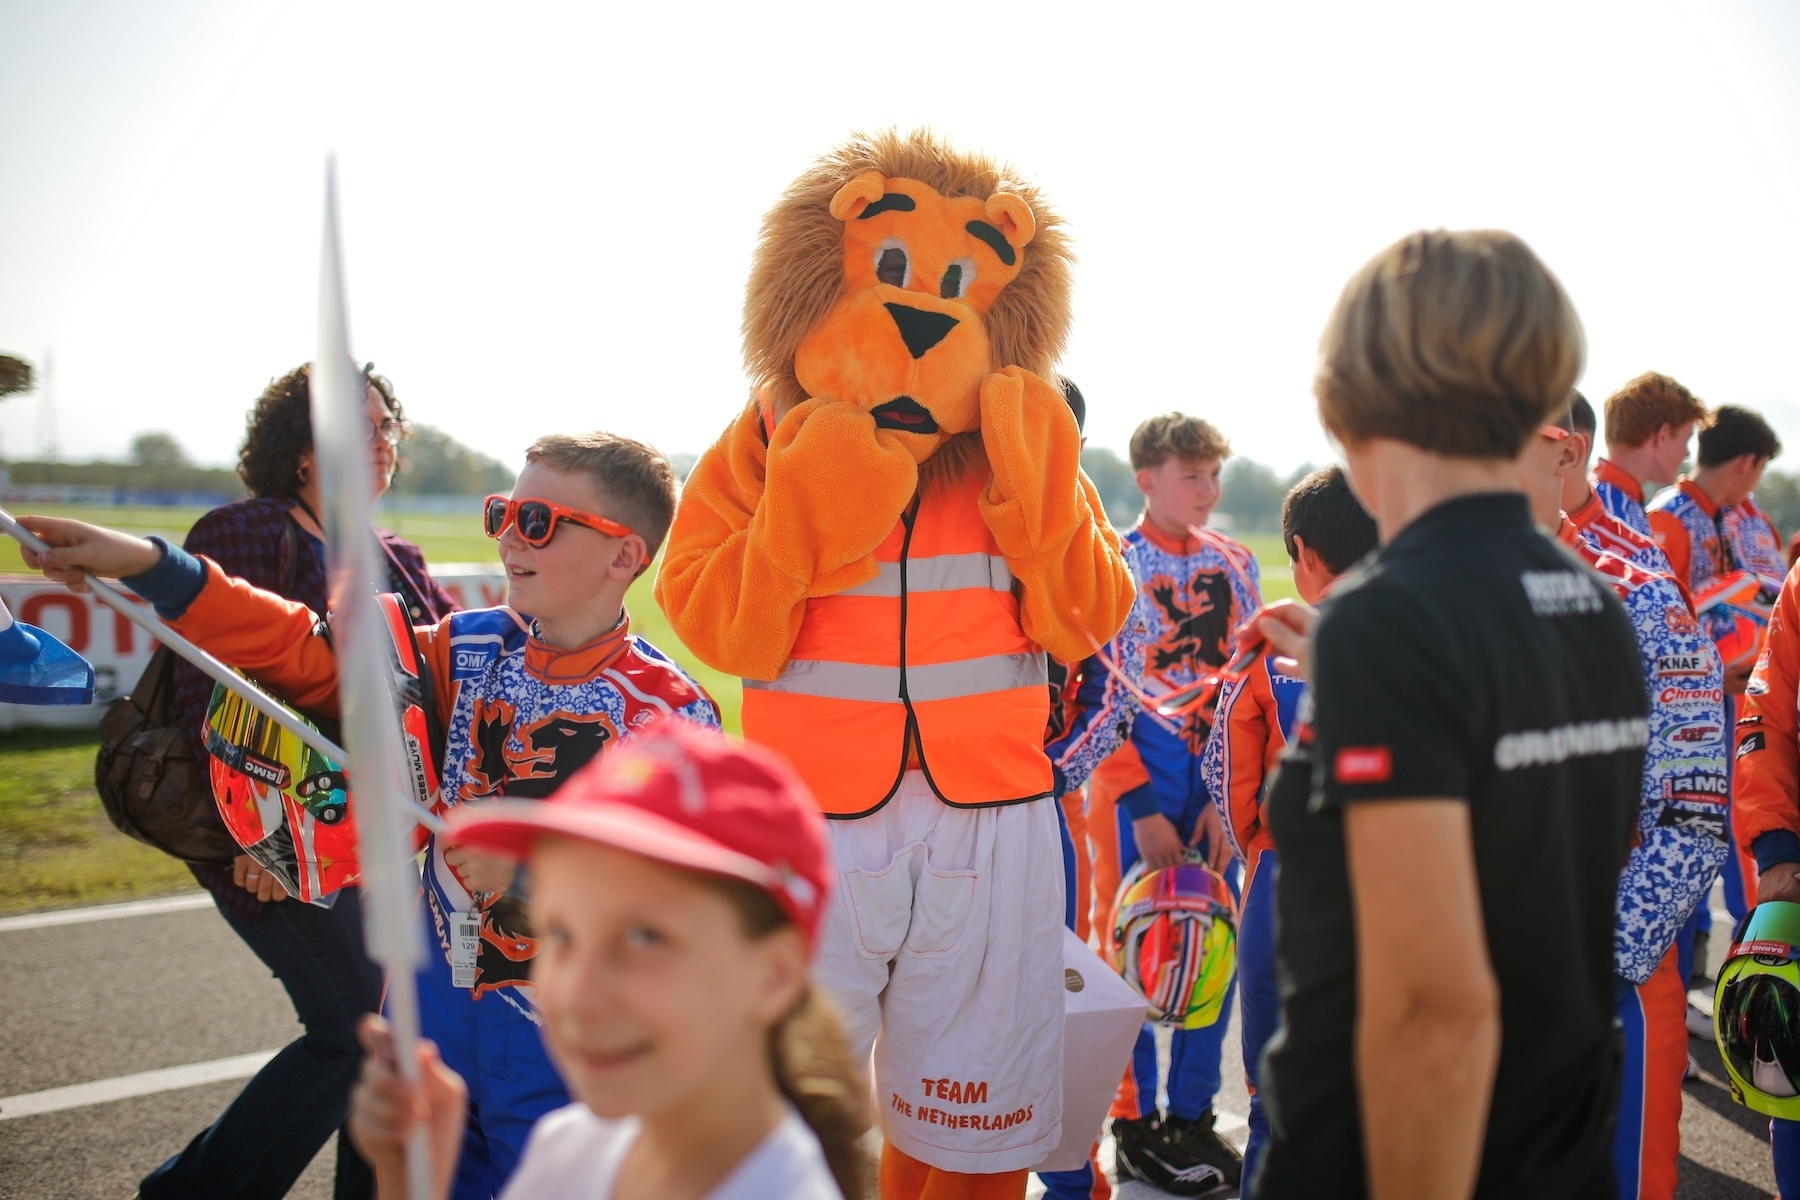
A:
(920, 330)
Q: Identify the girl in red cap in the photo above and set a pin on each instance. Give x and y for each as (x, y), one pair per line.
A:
(678, 885)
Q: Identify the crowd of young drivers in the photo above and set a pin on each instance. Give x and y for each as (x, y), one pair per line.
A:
(622, 1099)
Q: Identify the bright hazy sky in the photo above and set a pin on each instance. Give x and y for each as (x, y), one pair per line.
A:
(549, 209)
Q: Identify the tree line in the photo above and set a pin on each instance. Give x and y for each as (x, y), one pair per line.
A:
(432, 463)
(1252, 493)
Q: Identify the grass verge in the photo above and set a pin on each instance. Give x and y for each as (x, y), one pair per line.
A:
(56, 846)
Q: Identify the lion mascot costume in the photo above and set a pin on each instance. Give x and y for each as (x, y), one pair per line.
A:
(884, 544)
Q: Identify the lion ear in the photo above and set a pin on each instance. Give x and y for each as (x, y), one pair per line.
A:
(857, 195)
(1011, 216)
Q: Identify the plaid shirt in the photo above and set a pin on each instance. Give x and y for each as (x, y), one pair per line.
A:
(247, 540)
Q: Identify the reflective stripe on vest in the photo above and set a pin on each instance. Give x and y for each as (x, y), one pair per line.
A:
(932, 681)
(939, 619)
(940, 573)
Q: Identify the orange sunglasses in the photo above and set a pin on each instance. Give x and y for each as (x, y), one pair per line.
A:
(536, 519)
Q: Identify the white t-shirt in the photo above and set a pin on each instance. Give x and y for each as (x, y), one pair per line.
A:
(574, 1155)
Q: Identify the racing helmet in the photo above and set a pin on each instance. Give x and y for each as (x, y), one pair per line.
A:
(1734, 609)
(1174, 939)
(1756, 1011)
(288, 806)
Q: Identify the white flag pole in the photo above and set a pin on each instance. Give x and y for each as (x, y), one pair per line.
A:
(146, 620)
(344, 454)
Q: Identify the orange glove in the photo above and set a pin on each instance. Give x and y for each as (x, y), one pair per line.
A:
(762, 528)
(836, 487)
(1047, 518)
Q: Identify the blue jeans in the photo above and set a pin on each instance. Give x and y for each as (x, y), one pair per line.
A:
(266, 1137)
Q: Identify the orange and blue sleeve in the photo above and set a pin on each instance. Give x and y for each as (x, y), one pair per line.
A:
(1246, 721)
(1765, 801)
(278, 642)
(273, 640)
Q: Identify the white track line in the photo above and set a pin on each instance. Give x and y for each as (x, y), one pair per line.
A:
(106, 912)
(123, 1087)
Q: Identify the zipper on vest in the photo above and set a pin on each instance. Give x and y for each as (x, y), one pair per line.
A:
(911, 740)
(907, 518)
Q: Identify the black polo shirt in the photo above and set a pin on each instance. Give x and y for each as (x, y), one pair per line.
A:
(1473, 658)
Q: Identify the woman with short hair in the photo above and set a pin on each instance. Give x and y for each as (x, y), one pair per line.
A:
(276, 541)
(1453, 818)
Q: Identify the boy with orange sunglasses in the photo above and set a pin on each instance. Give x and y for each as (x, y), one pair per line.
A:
(520, 698)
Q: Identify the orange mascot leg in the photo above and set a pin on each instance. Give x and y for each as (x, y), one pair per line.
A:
(906, 1178)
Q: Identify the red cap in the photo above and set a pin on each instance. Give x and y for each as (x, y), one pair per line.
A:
(685, 796)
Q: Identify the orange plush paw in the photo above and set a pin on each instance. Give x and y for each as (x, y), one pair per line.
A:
(836, 485)
(1046, 518)
(1035, 502)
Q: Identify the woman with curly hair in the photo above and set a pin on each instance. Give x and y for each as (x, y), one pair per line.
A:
(275, 540)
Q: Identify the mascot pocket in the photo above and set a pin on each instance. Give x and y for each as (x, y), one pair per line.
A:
(942, 903)
(881, 902)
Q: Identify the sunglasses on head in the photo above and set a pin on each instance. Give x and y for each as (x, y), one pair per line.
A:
(536, 519)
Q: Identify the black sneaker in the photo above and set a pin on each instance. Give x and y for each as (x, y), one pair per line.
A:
(1146, 1152)
(1205, 1160)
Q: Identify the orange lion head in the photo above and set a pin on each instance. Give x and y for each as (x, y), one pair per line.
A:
(897, 274)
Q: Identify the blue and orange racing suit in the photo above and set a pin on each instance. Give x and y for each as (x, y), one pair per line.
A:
(1676, 855)
(1197, 591)
(1622, 495)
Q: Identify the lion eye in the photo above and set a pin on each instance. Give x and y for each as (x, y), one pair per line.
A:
(891, 266)
(957, 278)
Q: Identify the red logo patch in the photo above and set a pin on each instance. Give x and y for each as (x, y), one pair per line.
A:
(1364, 764)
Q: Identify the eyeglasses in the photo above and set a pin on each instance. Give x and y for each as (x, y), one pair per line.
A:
(389, 431)
(1554, 432)
(536, 519)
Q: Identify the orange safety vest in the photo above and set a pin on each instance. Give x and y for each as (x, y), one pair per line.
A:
(925, 665)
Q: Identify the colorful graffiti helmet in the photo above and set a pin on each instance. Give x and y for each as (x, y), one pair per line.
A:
(1756, 1011)
(1174, 940)
(286, 804)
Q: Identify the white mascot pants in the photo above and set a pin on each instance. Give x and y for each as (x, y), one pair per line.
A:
(943, 951)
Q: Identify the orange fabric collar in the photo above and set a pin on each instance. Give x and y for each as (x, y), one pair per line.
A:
(1186, 544)
(1590, 511)
(552, 664)
(1606, 472)
(1569, 533)
(1698, 495)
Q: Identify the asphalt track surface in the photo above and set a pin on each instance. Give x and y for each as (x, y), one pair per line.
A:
(98, 1000)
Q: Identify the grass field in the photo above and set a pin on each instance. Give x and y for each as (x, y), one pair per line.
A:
(57, 847)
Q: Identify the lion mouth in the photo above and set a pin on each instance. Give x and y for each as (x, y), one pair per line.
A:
(904, 413)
